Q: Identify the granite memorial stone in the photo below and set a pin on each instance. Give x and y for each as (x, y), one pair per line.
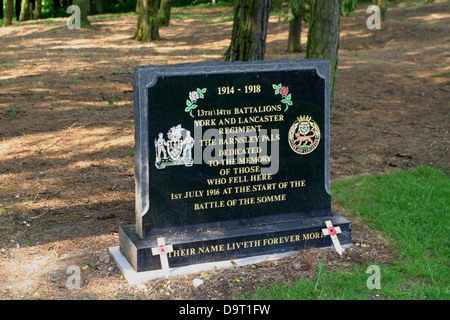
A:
(231, 161)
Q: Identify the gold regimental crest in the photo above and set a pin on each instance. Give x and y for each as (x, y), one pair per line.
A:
(304, 135)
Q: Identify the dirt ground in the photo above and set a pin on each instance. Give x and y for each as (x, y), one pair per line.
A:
(67, 139)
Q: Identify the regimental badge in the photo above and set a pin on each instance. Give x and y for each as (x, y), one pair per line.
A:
(304, 135)
(177, 150)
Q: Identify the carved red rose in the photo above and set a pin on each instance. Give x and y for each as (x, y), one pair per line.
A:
(284, 91)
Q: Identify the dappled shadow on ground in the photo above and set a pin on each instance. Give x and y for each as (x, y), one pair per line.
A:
(67, 136)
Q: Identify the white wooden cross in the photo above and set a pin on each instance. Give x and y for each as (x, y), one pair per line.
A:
(332, 231)
(162, 250)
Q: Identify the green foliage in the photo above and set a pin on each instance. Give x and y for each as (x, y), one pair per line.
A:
(185, 3)
(118, 6)
(320, 264)
(12, 111)
(89, 264)
(347, 7)
(111, 101)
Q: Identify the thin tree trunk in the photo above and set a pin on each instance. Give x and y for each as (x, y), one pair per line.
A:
(323, 35)
(1, 9)
(83, 4)
(37, 9)
(248, 39)
(383, 4)
(295, 26)
(9, 12)
(98, 6)
(24, 10)
(147, 28)
(164, 13)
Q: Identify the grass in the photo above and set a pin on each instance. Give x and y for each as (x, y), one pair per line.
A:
(444, 74)
(411, 208)
(217, 18)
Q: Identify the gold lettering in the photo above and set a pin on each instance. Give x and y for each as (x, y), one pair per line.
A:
(298, 183)
(260, 177)
(313, 235)
(272, 198)
(209, 205)
(182, 252)
(205, 123)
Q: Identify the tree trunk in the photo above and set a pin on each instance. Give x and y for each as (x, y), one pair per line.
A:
(295, 26)
(83, 4)
(1, 9)
(164, 13)
(147, 28)
(24, 10)
(98, 6)
(248, 39)
(9, 12)
(383, 4)
(323, 35)
(37, 9)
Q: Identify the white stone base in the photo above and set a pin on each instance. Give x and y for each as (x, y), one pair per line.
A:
(134, 277)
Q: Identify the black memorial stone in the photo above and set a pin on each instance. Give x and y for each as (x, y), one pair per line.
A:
(231, 161)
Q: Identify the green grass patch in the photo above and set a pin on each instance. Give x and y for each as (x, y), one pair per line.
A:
(411, 208)
(444, 74)
(106, 16)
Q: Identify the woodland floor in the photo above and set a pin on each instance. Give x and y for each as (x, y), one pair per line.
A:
(66, 145)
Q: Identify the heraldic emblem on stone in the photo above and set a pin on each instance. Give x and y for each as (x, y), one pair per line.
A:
(177, 150)
(304, 135)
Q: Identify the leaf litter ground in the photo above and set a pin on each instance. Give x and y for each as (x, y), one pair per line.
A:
(66, 141)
